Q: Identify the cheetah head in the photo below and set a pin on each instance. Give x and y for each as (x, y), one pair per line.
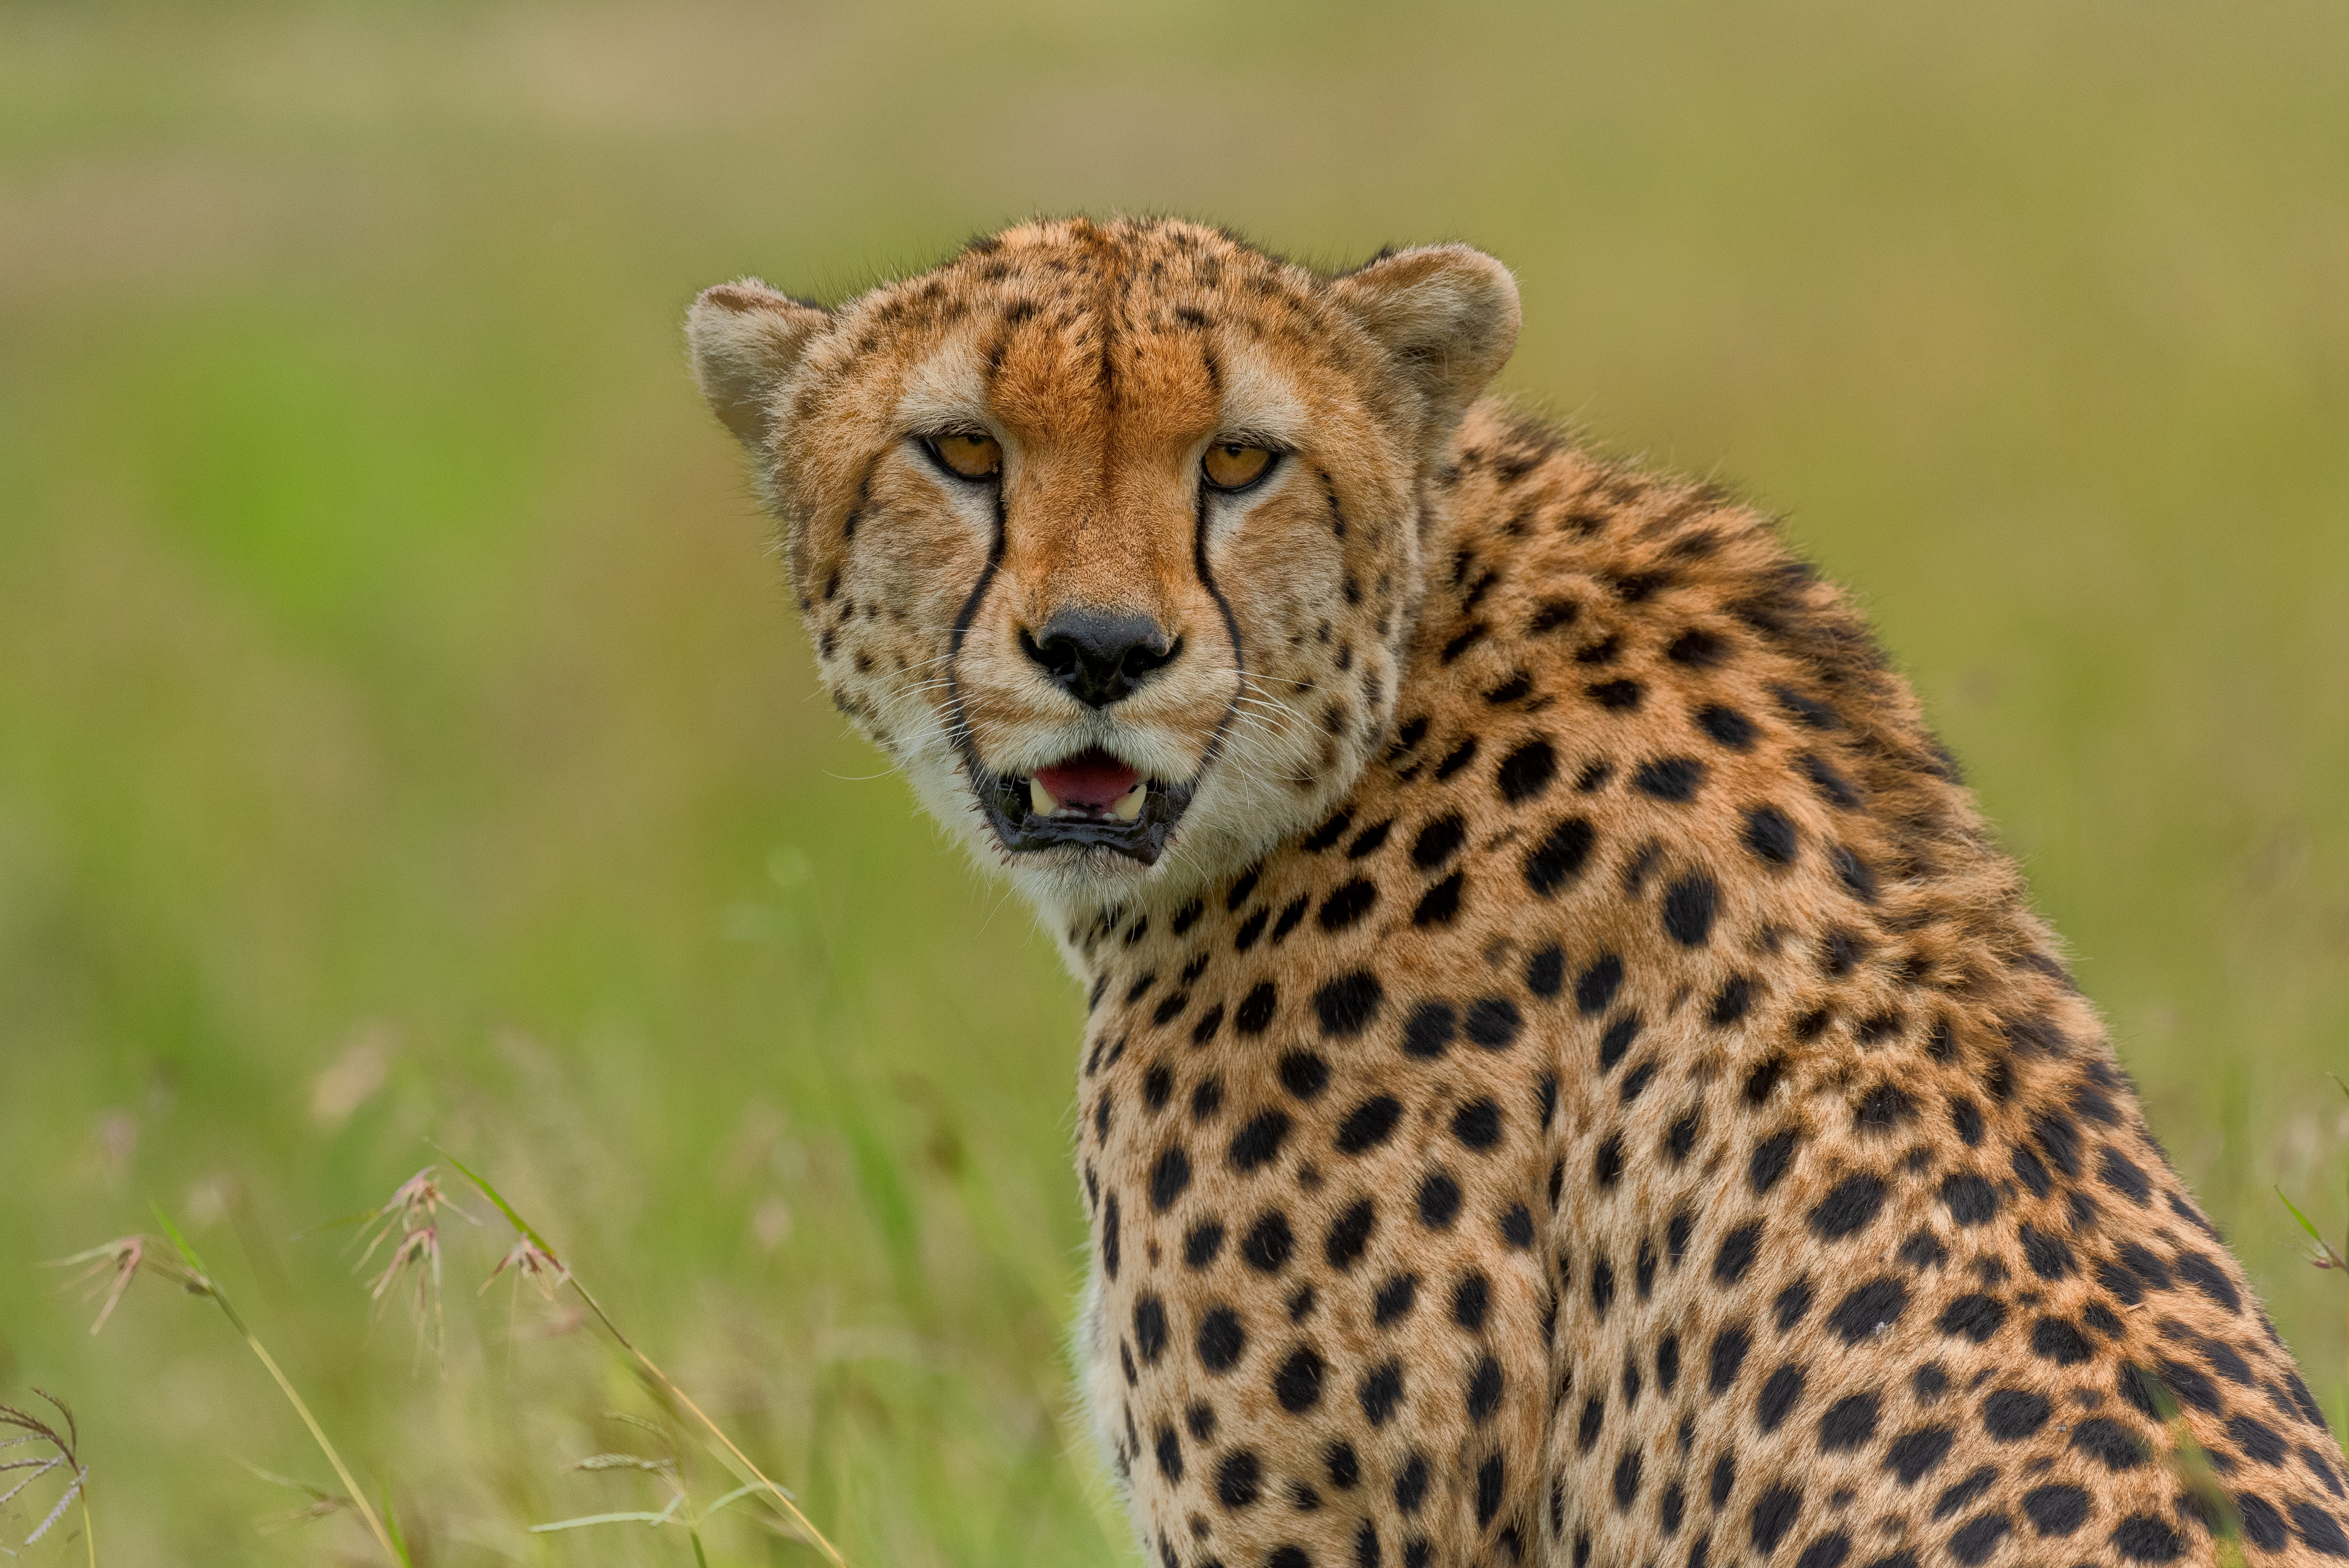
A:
(1109, 535)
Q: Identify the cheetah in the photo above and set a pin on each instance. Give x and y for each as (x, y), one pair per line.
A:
(1568, 1076)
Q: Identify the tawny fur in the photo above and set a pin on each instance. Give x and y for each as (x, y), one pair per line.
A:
(1582, 1086)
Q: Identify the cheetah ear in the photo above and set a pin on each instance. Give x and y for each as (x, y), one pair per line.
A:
(1448, 315)
(745, 338)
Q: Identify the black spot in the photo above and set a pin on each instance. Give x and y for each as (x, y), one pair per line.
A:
(1459, 756)
(2010, 1415)
(2055, 1510)
(1930, 1382)
(1884, 1110)
(1689, 905)
(1491, 1479)
(1220, 1339)
(1826, 1552)
(1258, 1143)
(1729, 1348)
(2209, 1279)
(1368, 841)
(1637, 1079)
(1347, 1005)
(1673, 779)
(1348, 905)
(1602, 1286)
(1477, 1124)
(1852, 1204)
(1735, 996)
(1558, 858)
(2050, 1257)
(1978, 1537)
(1594, 1415)
(2262, 1526)
(1304, 1074)
(1793, 1304)
(1779, 1396)
(1239, 1480)
(1395, 1299)
(2124, 1176)
(1439, 841)
(2320, 1530)
(1912, 1454)
(1268, 1243)
(1253, 1015)
(1349, 1233)
(1290, 913)
(1737, 1253)
(1771, 1158)
(1869, 1306)
(1681, 1137)
(1676, 1235)
(2259, 1439)
(1170, 1178)
(1298, 1384)
(1622, 697)
(1380, 1392)
(1545, 971)
(1595, 987)
(1345, 1469)
(1525, 772)
(1857, 877)
(1607, 1168)
(1727, 726)
(1329, 833)
(1439, 1201)
(1430, 1028)
(2060, 1340)
(1970, 1199)
(1492, 1022)
(1203, 1244)
(1774, 1515)
(1770, 834)
(1832, 787)
(1627, 1480)
(1150, 1328)
(1763, 1078)
(1369, 1124)
(1967, 1118)
(1483, 1395)
(2142, 1538)
(1849, 1422)
(1974, 1317)
(1724, 1476)
(2114, 1446)
(1956, 1497)
(1170, 1455)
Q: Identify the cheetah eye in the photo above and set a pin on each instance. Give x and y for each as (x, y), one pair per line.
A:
(968, 456)
(1235, 465)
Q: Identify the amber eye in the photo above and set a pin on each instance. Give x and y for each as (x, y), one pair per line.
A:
(972, 457)
(1235, 465)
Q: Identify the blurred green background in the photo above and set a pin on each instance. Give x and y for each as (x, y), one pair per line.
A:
(403, 733)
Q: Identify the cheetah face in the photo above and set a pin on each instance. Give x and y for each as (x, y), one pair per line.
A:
(1109, 535)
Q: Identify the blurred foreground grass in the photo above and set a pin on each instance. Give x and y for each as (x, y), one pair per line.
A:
(403, 734)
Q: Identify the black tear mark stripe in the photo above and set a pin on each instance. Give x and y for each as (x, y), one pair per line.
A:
(1231, 629)
(960, 725)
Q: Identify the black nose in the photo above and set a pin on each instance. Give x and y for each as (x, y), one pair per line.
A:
(1098, 656)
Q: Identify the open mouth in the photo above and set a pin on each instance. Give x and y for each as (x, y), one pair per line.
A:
(1092, 801)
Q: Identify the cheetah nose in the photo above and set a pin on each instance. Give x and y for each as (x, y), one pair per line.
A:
(1099, 657)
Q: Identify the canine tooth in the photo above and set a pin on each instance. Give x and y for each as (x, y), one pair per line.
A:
(1040, 800)
(1128, 806)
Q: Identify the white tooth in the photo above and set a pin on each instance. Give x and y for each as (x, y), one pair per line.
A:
(1127, 808)
(1040, 800)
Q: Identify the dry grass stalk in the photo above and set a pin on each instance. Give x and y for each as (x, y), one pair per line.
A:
(110, 1268)
(535, 1259)
(410, 1221)
(63, 1454)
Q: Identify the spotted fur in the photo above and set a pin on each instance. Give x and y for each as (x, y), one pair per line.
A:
(1592, 1092)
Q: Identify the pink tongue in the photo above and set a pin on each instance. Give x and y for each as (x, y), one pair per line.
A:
(1092, 778)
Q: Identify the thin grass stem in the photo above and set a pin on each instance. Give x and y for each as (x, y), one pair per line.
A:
(747, 1471)
(206, 1286)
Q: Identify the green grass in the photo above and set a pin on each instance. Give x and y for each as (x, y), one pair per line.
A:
(391, 660)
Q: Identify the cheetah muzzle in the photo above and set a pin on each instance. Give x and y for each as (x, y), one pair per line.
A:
(1568, 1076)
